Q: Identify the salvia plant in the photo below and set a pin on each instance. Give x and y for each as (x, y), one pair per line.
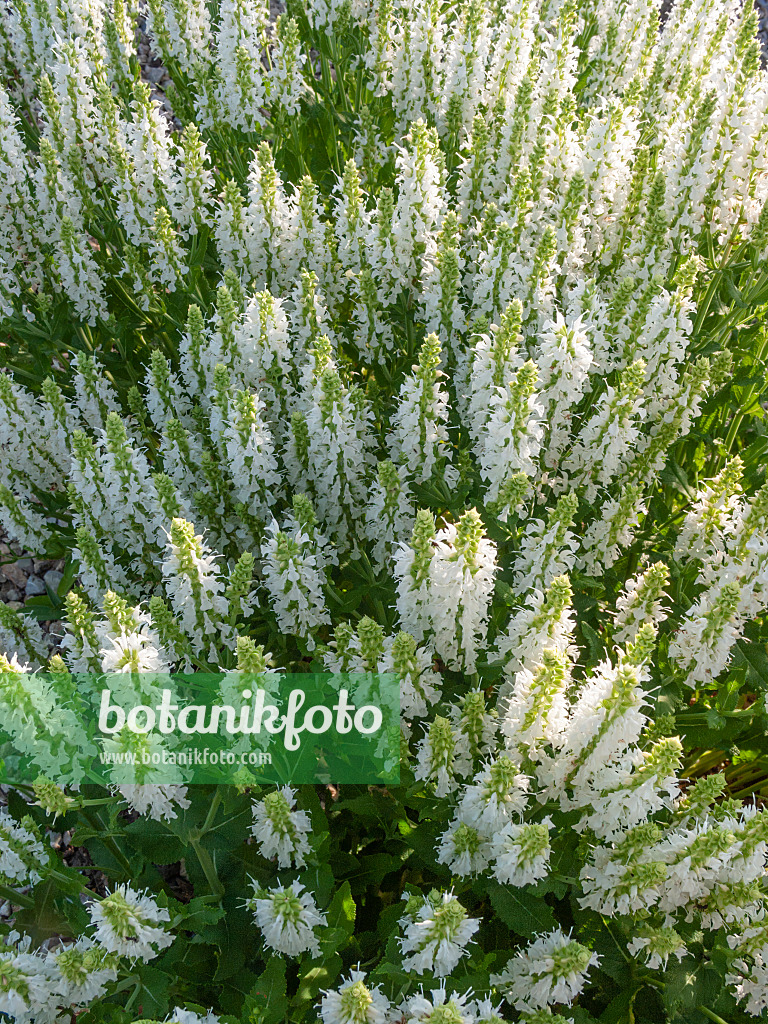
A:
(422, 338)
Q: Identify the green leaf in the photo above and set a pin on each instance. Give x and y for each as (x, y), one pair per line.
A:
(315, 978)
(341, 913)
(105, 1013)
(198, 913)
(153, 839)
(341, 921)
(754, 658)
(153, 994)
(596, 646)
(619, 1010)
(688, 985)
(267, 1002)
(521, 911)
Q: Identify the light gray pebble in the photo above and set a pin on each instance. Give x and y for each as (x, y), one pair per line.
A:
(154, 75)
(25, 564)
(10, 594)
(34, 587)
(14, 574)
(15, 606)
(53, 578)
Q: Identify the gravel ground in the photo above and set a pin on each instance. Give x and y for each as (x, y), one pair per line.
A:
(23, 575)
(762, 14)
(153, 72)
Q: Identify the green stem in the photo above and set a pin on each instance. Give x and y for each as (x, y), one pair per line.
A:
(711, 1015)
(16, 898)
(217, 797)
(209, 868)
(66, 879)
(748, 398)
(109, 842)
(133, 996)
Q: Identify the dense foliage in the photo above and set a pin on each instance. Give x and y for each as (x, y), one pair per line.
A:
(425, 338)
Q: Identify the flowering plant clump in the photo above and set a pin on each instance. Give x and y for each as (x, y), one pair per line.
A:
(419, 338)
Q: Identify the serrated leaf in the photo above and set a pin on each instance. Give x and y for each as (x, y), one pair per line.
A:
(267, 1001)
(754, 658)
(341, 913)
(521, 911)
(153, 994)
(321, 976)
(688, 985)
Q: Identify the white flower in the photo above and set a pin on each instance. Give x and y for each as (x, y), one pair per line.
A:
(552, 969)
(545, 620)
(703, 533)
(626, 876)
(136, 652)
(656, 946)
(493, 361)
(442, 754)
(389, 514)
(604, 722)
(280, 830)
(535, 712)
(287, 918)
(511, 438)
(419, 205)
(83, 969)
(353, 1002)
(419, 438)
(463, 849)
(263, 344)
(22, 857)
(640, 601)
(612, 530)
(462, 575)
(239, 43)
(179, 1016)
(130, 924)
(437, 931)
(94, 396)
(438, 1008)
(419, 683)
(338, 455)
(564, 360)
(194, 585)
(286, 80)
(702, 644)
(497, 794)
(412, 570)
(28, 982)
(521, 852)
(547, 549)
(155, 801)
(249, 453)
(485, 1012)
(751, 985)
(295, 582)
(605, 441)
(625, 791)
